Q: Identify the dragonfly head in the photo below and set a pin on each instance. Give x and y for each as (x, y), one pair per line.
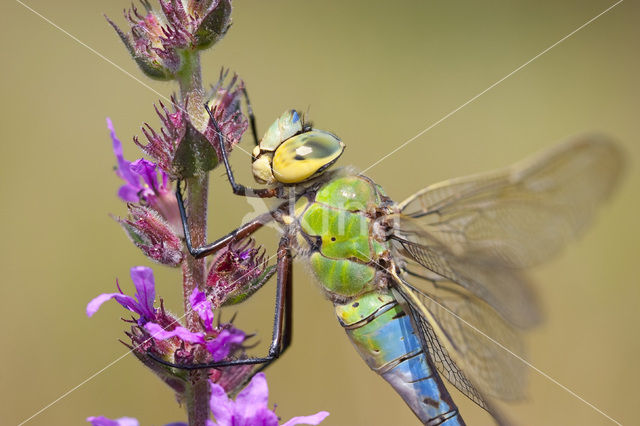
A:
(292, 153)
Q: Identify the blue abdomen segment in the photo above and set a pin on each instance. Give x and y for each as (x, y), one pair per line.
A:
(384, 336)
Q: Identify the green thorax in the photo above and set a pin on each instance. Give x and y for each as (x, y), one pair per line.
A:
(334, 229)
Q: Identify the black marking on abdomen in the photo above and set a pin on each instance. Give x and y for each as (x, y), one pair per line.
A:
(429, 377)
(399, 315)
(381, 310)
(443, 418)
(395, 362)
(430, 401)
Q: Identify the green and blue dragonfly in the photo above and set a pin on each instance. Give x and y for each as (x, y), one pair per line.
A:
(433, 287)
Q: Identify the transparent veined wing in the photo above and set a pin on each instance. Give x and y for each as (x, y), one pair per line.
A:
(471, 345)
(524, 214)
(506, 289)
(461, 247)
(481, 231)
(439, 354)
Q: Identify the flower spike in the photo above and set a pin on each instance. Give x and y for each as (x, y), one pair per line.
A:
(158, 39)
(180, 147)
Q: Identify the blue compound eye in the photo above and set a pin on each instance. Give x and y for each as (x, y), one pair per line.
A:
(280, 130)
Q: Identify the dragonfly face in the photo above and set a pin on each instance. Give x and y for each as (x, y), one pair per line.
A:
(290, 153)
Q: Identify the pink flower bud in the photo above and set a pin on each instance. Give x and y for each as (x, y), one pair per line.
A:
(153, 235)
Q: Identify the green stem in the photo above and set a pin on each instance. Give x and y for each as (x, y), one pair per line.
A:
(190, 80)
(194, 270)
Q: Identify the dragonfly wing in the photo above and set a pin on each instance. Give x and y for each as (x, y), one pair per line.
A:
(481, 231)
(471, 345)
(506, 289)
(441, 359)
(524, 214)
(460, 248)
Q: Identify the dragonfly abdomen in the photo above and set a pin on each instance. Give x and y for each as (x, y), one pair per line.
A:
(383, 335)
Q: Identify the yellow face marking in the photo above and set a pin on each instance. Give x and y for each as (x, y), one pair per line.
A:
(262, 169)
(305, 155)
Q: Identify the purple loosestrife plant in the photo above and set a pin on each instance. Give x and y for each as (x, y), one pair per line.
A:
(122, 421)
(166, 43)
(250, 407)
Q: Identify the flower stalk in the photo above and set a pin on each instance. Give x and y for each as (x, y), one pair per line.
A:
(166, 43)
(190, 81)
(194, 270)
(194, 276)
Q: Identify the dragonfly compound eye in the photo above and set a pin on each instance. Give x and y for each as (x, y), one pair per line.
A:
(305, 156)
(287, 125)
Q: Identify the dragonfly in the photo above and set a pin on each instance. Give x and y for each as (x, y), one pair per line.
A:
(433, 288)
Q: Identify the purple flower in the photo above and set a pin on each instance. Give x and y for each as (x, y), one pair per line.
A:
(157, 332)
(146, 170)
(156, 326)
(141, 181)
(202, 306)
(227, 340)
(250, 407)
(103, 421)
(224, 343)
(141, 303)
(142, 343)
(122, 421)
(147, 184)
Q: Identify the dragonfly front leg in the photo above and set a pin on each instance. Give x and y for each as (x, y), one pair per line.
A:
(282, 322)
(237, 234)
(236, 187)
(252, 118)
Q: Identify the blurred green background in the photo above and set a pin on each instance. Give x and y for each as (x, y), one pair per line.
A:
(375, 73)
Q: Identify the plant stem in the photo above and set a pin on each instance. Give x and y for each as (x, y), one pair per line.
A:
(193, 270)
(190, 80)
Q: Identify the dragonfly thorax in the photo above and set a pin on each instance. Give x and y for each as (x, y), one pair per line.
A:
(292, 153)
(332, 228)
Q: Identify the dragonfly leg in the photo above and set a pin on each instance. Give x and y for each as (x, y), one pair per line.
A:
(282, 322)
(237, 234)
(236, 187)
(252, 118)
